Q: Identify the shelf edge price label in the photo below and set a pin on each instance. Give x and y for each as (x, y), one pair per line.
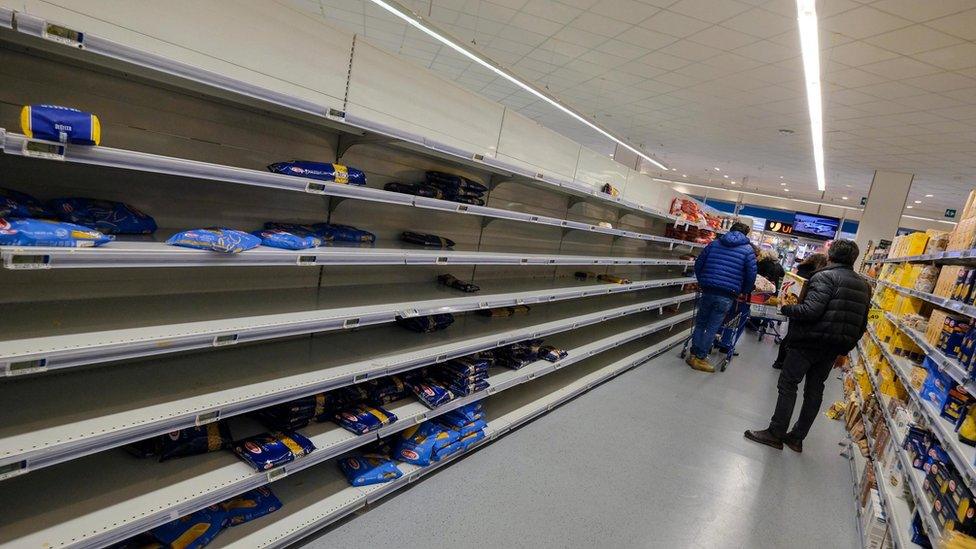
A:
(875, 314)
(43, 149)
(64, 35)
(13, 469)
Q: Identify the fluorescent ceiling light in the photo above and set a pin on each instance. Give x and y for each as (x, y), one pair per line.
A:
(810, 46)
(431, 30)
(929, 219)
(928, 196)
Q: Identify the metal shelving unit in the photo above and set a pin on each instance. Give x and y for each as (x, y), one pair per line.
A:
(130, 500)
(945, 303)
(16, 144)
(946, 364)
(314, 499)
(957, 257)
(171, 329)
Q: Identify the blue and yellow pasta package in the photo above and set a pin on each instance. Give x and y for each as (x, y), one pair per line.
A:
(194, 440)
(431, 393)
(228, 241)
(366, 469)
(103, 215)
(362, 419)
(417, 444)
(269, 450)
(62, 124)
(323, 171)
(278, 238)
(39, 232)
(16, 205)
(192, 531)
(250, 505)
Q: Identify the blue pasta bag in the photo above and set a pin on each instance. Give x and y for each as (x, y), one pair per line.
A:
(386, 390)
(192, 531)
(38, 232)
(363, 419)
(194, 440)
(427, 324)
(228, 241)
(250, 505)
(467, 429)
(451, 448)
(63, 124)
(348, 233)
(278, 238)
(455, 182)
(432, 393)
(363, 470)
(463, 415)
(269, 450)
(468, 440)
(552, 354)
(464, 389)
(324, 171)
(104, 215)
(14, 204)
(417, 444)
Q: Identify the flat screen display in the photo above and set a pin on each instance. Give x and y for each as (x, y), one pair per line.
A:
(815, 226)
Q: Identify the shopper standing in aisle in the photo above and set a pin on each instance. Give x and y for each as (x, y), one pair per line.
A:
(826, 325)
(810, 265)
(769, 267)
(725, 269)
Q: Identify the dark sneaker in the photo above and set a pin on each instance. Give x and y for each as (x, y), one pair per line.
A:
(765, 437)
(794, 444)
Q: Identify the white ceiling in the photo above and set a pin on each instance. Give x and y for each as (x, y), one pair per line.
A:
(709, 83)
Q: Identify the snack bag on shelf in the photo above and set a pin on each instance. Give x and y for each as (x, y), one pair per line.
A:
(269, 450)
(228, 241)
(17, 205)
(323, 171)
(103, 215)
(250, 505)
(192, 531)
(61, 124)
(37, 232)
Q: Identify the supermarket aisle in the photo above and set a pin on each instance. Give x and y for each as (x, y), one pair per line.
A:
(653, 458)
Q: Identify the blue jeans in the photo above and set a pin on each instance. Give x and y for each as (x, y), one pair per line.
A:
(711, 312)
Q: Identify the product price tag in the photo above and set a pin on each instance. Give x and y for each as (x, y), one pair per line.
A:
(64, 35)
(875, 314)
(23, 368)
(207, 417)
(13, 469)
(276, 474)
(43, 149)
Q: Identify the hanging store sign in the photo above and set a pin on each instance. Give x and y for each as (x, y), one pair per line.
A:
(778, 227)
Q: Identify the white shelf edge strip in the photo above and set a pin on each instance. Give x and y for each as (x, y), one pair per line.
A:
(936, 257)
(235, 477)
(318, 516)
(945, 303)
(939, 427)
(27, 452)
(128, 254)
(945, 363)
(16, 144)
(38, 354)
(95, 45)
(913, 476)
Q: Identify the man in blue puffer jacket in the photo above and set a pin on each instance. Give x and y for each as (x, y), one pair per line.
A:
(725, 269)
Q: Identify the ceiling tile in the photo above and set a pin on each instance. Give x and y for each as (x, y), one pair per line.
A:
(956, 57)
(857, 53)
(535, 24)
(622, 49)
(899, 68)
(674, 24)
(768, 52)
(664, 60)
(580, 37)
(692, 51)
(913, 39)
(551, 10)
(942, 82)
(624, 10)
(646, 38)
(863, 22)
(713, 11)
(599, 24)
(761, 23)
(922, 10)
(962, 25)
(722, 38)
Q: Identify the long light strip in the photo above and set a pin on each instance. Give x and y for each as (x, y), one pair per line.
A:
(810, 46)
(801, 200)
(418, 22)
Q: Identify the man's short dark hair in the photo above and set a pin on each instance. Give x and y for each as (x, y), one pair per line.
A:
(844, 252)
(740, 227)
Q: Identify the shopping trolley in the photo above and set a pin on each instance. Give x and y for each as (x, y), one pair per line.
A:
(731, 329)
(767, 317)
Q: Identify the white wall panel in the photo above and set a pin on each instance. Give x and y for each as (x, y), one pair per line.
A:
(532, 146)
(387, 89)
(595, 169)
(644, 190)
(258, 42)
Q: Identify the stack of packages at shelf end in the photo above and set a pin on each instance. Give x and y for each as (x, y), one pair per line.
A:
(442, 383)
(689, 210)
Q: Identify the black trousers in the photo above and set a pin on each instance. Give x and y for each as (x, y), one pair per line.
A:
(814, 365)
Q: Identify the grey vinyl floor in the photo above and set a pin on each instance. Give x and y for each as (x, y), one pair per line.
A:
(652, 458)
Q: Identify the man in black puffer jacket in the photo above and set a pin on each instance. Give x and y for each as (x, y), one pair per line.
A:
(826, 325)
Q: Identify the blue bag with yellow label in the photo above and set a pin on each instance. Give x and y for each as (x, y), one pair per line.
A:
(103, 215)
(417, 444)
(38, 232)
(323, 171)
(431, 393)
(194, 440)
(192, 531)
(471, 438)
(250, 505)
(362, 419)
(363, 470)
(269, 450)
(228, 241)
(62, 124)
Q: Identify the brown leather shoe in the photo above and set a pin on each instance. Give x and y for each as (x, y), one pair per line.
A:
(699, 364)
(765, 437)
(794, 444)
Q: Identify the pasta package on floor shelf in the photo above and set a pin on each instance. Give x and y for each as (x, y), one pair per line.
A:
(369, 468)
(423, 239)
(427, 324)
(228, 241)
(103, 215)
(417, 444)
(192, 531)
(62, 124)
(278, 238)
(362, 419)
(15, 204)
(451, 281)
(323, 171)
(38, 232)
(269, 450)
(250, 505)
